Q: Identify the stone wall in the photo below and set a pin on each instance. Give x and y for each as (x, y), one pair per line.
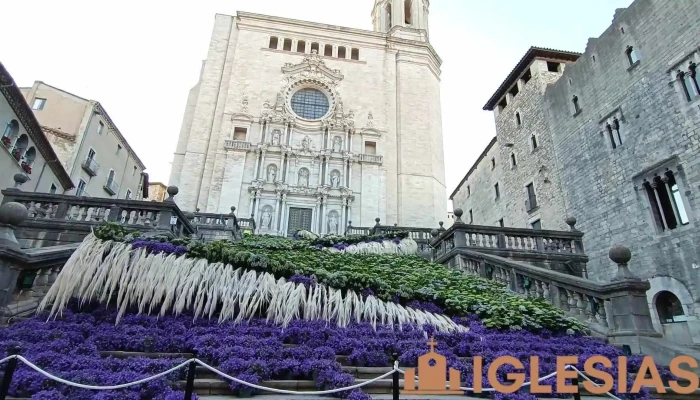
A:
(659, 129)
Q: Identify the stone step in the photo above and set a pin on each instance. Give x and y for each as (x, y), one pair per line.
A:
(127, 354)
(217, 386)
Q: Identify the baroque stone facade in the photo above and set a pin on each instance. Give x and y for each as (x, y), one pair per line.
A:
(310, 126)
(620, 136)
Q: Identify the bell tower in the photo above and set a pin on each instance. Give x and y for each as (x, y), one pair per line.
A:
(409, 14)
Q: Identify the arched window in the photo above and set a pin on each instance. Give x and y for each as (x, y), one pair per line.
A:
(287, 45)
(668, 307)
(314, 46)
(328, 50)
(355, 54)
(30, 155)
(631, 55)
(518, 120)
(407, 12)
(10, 133)
(689, 82)
(387, 11)
(274, 42)
(301, 46)
(577, 107)
(20, 146)
(341, 52)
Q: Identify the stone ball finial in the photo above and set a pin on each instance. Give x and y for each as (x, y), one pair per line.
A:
(458, 213)
(620, 254)
(173, 191)
(13, 214)
(19, 180)
(190, 215)
(434, 233)
(571, 221)
(233, 209)
(377, 220)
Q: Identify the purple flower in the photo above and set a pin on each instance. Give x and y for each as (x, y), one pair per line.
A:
(308, 281)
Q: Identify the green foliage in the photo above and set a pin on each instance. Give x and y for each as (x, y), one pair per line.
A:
(328, 241)
(116, 232)
(389, 276)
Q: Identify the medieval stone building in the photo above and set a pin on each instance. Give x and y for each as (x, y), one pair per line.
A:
(309, 126)
(611, 137)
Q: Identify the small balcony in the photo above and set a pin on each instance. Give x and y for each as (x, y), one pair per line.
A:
(111, 187)
(91, 166)
(237, 145)
(371, 159)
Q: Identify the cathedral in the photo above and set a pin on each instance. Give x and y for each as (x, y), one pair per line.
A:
(310, 126)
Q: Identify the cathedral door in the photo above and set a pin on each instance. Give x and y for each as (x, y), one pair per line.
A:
(299, 219)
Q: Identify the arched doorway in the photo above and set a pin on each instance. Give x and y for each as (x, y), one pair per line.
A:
(669, 308)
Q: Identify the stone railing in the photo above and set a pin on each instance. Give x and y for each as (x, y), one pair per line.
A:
(211, 226)
(422, 236)
(371, 158)
(617, 309)
(557, 250)
(237, 145)
(25, 274)
(60, 219)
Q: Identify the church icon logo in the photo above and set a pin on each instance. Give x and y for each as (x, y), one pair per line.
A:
(431, 375)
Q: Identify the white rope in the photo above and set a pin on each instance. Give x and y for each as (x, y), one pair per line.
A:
(114, 387)
(8, 358)
(589, 380)
(281, 391)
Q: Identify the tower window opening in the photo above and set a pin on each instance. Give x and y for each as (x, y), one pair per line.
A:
(514, 90)
(287, 45)
(274, 42)
(301, 46)
(355, 54)
(388, 15)
(527, 76)
(314, 46)
(553, 66)
(408, 17)
(341, 52)
(518, 120)
(328, 50)
(631, 55)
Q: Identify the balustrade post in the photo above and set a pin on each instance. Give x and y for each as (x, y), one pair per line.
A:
(9, 371)
(11, 215)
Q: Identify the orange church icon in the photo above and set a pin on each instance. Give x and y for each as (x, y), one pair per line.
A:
(431, 375)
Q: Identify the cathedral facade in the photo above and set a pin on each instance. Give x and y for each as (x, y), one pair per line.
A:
(310, 126)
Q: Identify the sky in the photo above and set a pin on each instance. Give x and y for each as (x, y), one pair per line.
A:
(141, 58)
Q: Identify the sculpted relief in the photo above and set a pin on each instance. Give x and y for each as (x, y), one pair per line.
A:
(271, 173)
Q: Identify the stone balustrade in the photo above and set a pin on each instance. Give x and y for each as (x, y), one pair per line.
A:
(371, 158)
(558, 250)
(237, 145)
(617, 310)
(211, 226)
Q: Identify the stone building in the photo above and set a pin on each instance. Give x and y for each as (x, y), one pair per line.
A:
(24, 147)
(157, 191)
(90, 146)
(623, 125)
(309, 126)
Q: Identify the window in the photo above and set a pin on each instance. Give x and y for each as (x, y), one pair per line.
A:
(614, 133)
(689, 82)
(301, 46)
(274, 42)
(341, 52)
(531, 200)
(527, 76)
(502, 104)
(371, 148)
(553, 66)
(355, 54)
(514, 90)
(314, 46)
(407, 12)
(10, 133)
(310, 103)
(536, 225)
(471, 216)
(631, 55)
(240, 134)
(666, 201)
(38, 104)
(127, 196)
(328, 50)
(133, 173)
(518, 121)
(622, 30)
(80, 191)
(493, 163)
(501, 223)
(533, 142)
(53, 189)
(513, 162)
(111, 176)
(119, 148)
(497, 191)
(469, 191)
(387, 10)
(669, 308)
(100, 127)
(287, 45)
(577, 107)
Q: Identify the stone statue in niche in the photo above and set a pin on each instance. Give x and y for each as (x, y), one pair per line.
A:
(276, 138)
(337, 143)
(370, 117)
(339, 109)
(335, 180)
(304, 177)
(280, 100)
(244, 105)
(271, 173)
(266, 219)
(332, 224)
(306, 143)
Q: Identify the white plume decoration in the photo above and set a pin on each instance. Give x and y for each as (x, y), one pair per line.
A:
(160, 283)
(405, 246)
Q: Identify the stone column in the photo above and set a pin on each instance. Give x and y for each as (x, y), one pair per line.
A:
(11, 215)
(349, 173)
(315, 219)
(290, 130)
(283, 216)
(278, 207)
(324, 214)
(252, 203)
(327, 175)
(342, 223)
(262, 164)
(257, 206)
(257, 163)
(347, 139)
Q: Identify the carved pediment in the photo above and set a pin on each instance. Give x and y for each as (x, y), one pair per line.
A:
(312, 66)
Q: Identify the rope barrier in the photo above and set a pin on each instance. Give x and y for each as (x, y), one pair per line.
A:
(589, 380)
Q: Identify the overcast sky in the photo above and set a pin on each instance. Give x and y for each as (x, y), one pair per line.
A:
(140, 58)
